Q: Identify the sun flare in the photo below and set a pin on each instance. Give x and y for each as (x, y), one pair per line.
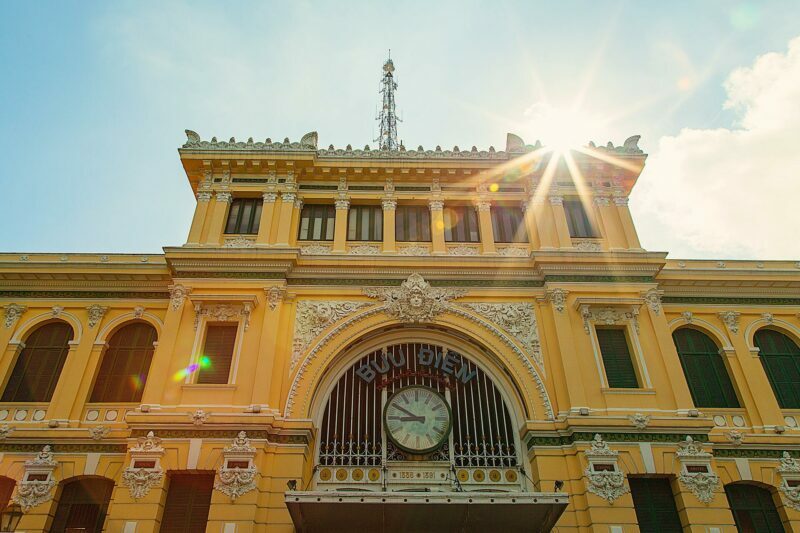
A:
(561, 129)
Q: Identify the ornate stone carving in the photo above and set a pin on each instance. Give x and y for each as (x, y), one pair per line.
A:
(12, 313)
(269, 197)
(557, 298)
(178, 294)
(203, 196)
(274, 296)
(315, 249)
(483, 205)
(389, 204)
(96, 314)
(414, 249)
(199, 417)
(789, 470)
(342, 203)
(586, 245)
(436, 205)
(653, 300)
(140, 480)
(223, 196)
(288, 197)
(364, 249)
(602, 201)
(56, 310)
(608, 484)
(33, 492)
(148, 444)
(236, 481)
(518, 319)
(223, 313)
(463, 250)
(239, 242)
(415, 300)
(620, 201)
(701, 484)
(769, 318)
(98, 432)
(556, 200)
(513, 251)
(608, 316)
(688, 316)
(138, 311)
(731, 320)
(5, 431)
(735, 436)
(312, 317)
(639, 420)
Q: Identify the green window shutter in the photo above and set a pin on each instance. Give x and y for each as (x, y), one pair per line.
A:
(617, 359)
(654, 504)
(780, 357)
(753, 509)
(188, 502)
(220, 340)
(704, 369)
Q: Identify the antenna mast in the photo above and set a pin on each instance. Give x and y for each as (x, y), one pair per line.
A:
(387, 116)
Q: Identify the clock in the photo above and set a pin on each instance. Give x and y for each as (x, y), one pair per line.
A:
(417, 419)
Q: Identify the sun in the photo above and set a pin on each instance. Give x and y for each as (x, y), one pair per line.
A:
(561, 129)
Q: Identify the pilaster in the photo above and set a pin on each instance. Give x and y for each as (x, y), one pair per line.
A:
(285, 219)
(560, 220)
(267, 349)
(437, 226)
(267, 214)
(76, 364)
(612, 229)
(389, 212)
(199, 219)
(628, 228)
(217, 224)
(484, 208)
(528, 208)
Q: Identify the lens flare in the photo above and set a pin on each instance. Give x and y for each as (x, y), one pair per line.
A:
(203, 362)
(494, 187)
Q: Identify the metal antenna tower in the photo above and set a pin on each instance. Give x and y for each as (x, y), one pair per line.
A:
(387, 116)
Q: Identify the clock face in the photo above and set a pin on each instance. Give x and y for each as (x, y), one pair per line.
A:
(417, 419)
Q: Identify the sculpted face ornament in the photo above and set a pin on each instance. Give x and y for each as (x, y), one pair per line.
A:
(415, 300)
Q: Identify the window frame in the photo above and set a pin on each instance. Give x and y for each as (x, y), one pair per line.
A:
(466, 216)
(501, 220)
(137, 396)
(194, 377)
(580, 222)
(355, 221)
(234, 221)
(778, 364)
(326, 222)
(631, 353)
(419, 223)
(714, 361)
(640, 491)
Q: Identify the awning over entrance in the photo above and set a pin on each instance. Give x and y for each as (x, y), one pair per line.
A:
(425, 511)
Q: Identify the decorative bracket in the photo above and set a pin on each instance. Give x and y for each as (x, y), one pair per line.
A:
(238, 472)
(145, 470)
(604, 478)
(37, 481)
(696, 473)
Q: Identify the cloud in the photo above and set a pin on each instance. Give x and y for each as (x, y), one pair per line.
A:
(731, 193)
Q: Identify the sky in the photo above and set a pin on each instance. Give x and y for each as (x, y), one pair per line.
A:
(95, 97)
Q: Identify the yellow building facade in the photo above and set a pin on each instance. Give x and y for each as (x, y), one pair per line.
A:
(266, 375)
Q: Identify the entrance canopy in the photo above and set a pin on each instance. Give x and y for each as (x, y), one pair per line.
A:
(424, 511)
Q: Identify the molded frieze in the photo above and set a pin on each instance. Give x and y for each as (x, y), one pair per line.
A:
(415, 300)
(236, 481)
(517, 319)
(696, 473)
(603, 475)
(312, 317)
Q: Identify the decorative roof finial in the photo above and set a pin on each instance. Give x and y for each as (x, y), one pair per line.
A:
(387, 140)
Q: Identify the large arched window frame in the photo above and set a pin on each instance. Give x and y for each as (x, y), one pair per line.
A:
(82, 505)
(125, 364)
(780, 357)
(38, 366)
(705, 369)
(753, 508)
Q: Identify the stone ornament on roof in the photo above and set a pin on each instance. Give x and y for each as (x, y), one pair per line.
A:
(148, 444)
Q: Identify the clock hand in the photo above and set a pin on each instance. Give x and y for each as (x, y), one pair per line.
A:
(413, 418)
(406, 411)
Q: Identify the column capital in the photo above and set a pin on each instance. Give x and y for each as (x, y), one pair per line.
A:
(343, 203)
(556, 200)
(288, 197)
(203, 196)
(436, 204)
(620, 201)
(223, 196)
(601, 201)
(298, 202)
(482, 204)
(389, 204)
(269, 197)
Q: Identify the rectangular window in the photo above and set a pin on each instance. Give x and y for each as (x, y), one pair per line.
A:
(617, 358)
(317, 222)
(508, 224)
(244, 216)
(461, 224)
(578, 220)
(218, 348)
(412, 224)
(365, 223)
(655, 505)
(188, 502)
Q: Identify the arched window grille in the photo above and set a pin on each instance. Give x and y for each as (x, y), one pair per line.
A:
(781, 359)
(126, 362)
(38, 367)
(351, 431)
(753, 508)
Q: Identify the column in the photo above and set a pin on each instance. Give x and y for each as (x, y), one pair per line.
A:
(754, 385)
(484, 208)
(199, 219)
(340, 229)
(544, 222)
(265, 223)
(389, 210)
(624, 213)
(560, 220)
(528, 208)
(162, 357)
(294, 226)
(437, 226)
(218, 215)
(285, 220)
(572, 359)
(64, 395)
(615, 238)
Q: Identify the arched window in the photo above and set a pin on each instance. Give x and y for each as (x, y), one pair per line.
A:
(704, 369)
(83, 505)
(39, 365)
(753, 508)
(123, 372)
(781, 359)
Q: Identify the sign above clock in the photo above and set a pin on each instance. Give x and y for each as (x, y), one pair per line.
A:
(445, 361)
